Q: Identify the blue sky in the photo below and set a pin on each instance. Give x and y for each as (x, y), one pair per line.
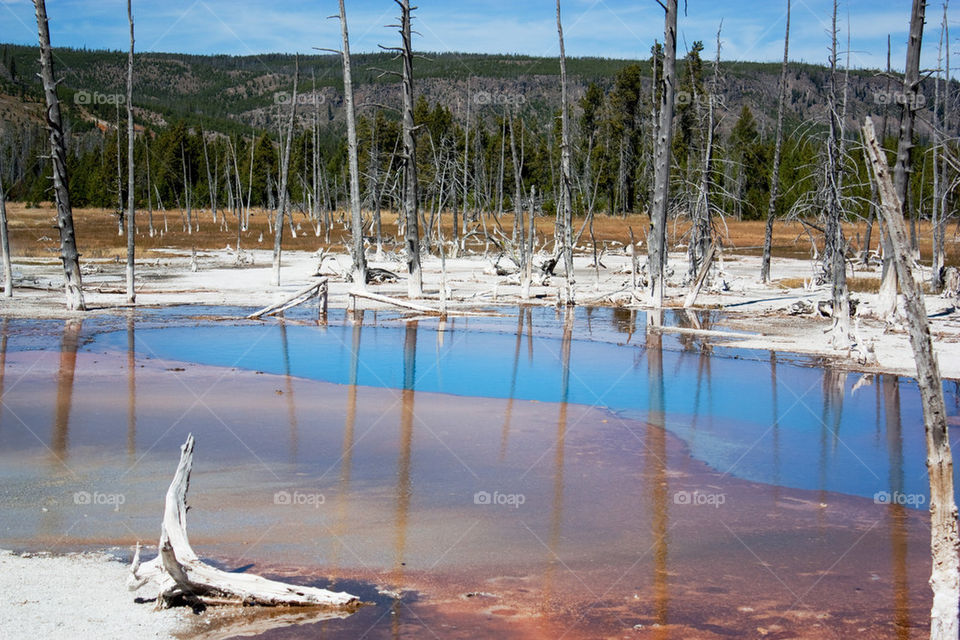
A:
(608, 28)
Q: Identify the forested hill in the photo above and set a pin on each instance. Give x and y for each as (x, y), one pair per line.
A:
(214, 122)
(233, 94)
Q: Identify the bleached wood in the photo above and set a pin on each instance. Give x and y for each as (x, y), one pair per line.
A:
(701, 278)
(394, 301)
(301, 296)
(73, 283)
(184, 576)
(945, 573)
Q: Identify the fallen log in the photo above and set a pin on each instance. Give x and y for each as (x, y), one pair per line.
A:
(318, 288)
(376, 297)
(182, 578)
(701, 278)
(709, 333)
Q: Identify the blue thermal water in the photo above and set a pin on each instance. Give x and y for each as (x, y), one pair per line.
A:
(777, 423)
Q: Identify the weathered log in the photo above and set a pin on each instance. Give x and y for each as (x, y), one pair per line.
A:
(709, 333)
(318, 288)
(394, 301)
(945, 573)
(701, 278)
(183, 578)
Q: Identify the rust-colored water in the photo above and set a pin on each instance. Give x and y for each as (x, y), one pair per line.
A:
(456, 517)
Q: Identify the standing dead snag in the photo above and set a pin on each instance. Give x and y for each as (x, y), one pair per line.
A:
(566, 212)
(901, 176)
(835, 246)
(657, 243)
(182, 577)
(411, 203)
(131, 214)
(58, 156)
(777, 155)
(945, 574)
(284, 173)
(359, 259)
(5, 241)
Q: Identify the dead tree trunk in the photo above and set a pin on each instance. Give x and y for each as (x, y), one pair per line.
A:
(211, 183)
(187, 194)
(777, 154)
(566, 213)
(701, 239)
(375, 189)
(904, 165)
(359, 259)
(945, 574)
(834, 243)
(58, 156)
(131, 212)
(526, 277)
(874, 195)
(181, 576)
(410, 195)
(517, 194)
(146, 144)
(5, 242)
(284, 173)
(940, 187)
(120, 213)
(657, 241)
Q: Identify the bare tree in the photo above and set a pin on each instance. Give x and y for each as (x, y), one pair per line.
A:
(187, 192)
(5, 240)
(120, 212)
(945, 574)
(212, 177)
(73, 283)
(410, 196)
(701, 239)
(566, 211)
(834, 242)
(657, 240)
(146, 145)
(904, 165)
(940, 188)
(359, 259)
(284, 173)
(131, 213)
(777, 154)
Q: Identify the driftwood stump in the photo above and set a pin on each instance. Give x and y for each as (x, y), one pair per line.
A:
(182, 578)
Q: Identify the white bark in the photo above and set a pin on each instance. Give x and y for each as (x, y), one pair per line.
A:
(284, 173)
(5, 242)
(181, 576)
(73, 283)
(359, 259)
(131, 213)
(945, 573)
(657, 243)
(566, 212)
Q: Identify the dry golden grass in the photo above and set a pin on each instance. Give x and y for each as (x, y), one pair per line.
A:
(855, 284)
(33, 233)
